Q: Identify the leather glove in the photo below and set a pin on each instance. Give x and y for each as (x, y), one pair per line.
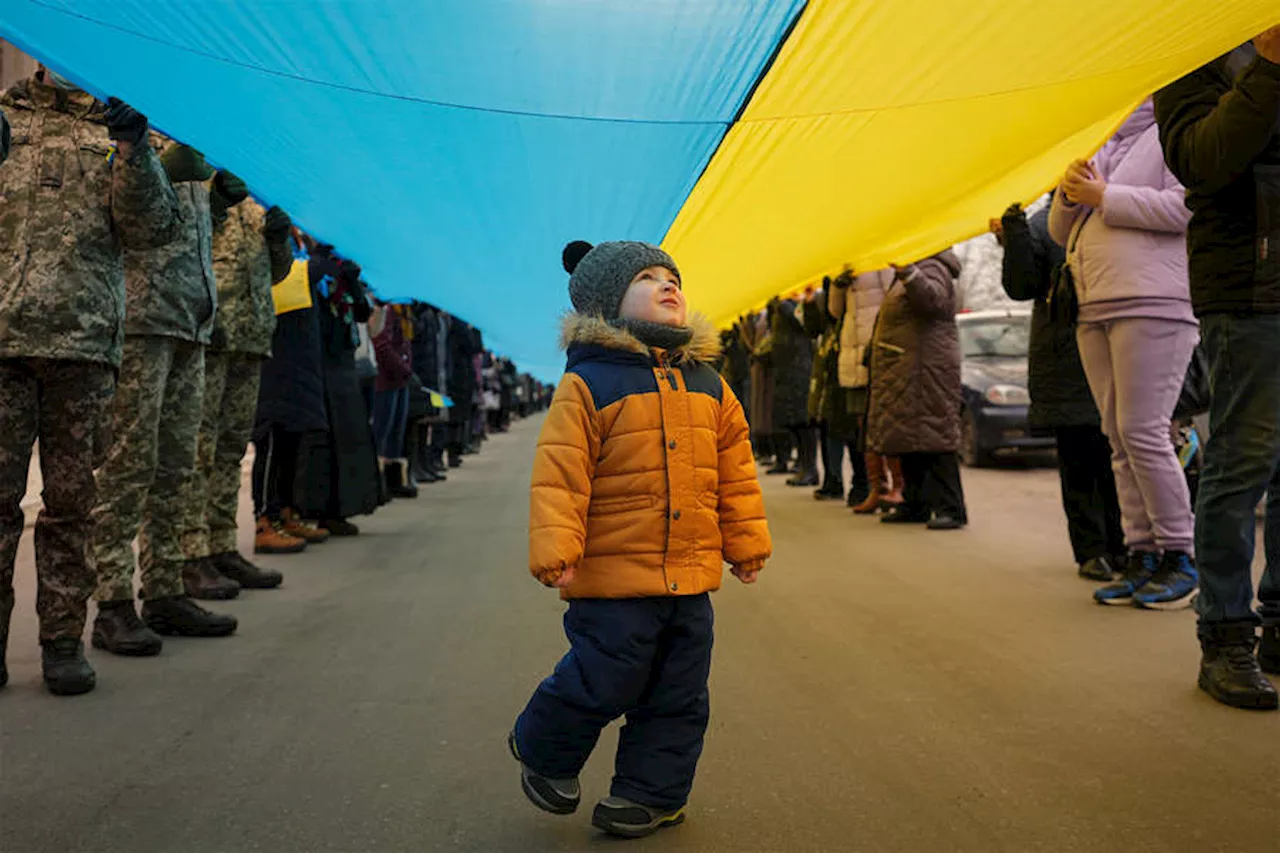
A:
(277, 223)
(184, 163)
(124, 123)
(231, 188)
(843, 280)
(349, 271)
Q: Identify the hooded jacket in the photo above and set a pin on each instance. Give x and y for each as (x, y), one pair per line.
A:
(915, 363)
(1221, 131)
(644, 479)
(1133, 247)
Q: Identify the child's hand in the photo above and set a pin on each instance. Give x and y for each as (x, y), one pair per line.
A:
(744, 575)
(566, 578)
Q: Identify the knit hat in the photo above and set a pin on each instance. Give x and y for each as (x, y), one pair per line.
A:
(600, 275)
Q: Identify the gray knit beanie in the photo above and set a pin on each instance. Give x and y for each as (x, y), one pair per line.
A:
(600, 275)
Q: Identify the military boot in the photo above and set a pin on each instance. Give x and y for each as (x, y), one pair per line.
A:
(201, 579)
(66, 672)
(246, 574)
(179, 615)
(119, 630)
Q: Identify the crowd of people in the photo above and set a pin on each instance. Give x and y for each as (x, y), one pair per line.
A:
(156, 322)
(1154, 275)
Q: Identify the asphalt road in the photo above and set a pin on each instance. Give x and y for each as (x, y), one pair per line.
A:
(880, 689)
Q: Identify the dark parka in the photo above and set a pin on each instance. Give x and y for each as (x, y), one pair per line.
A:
(824, 379)
(915, 363)
(341, 465)
(758, 342)
(292, 392)
(1060, 395)
(1220, 127)
(792, 364)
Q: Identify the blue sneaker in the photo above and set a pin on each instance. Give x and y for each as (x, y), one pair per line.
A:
(1174, 585)
(1137, 574)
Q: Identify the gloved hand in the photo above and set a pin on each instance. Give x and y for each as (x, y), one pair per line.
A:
(277, 223)
(124, 123)
(842, 281)
(184, 163)
(231, 188)
(349, 271)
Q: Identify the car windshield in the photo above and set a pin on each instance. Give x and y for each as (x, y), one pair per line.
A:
(999, 337)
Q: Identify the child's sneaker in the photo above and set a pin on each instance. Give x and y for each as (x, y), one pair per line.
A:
(558, 796)
(626, 819)
(1174, 585)
(1142, 566)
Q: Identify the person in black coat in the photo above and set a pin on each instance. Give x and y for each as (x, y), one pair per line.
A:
(1061, 402)
(461, 378)
(793, 364)
(291, 406)
(345, 465)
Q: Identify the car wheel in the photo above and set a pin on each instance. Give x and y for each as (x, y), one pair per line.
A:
(970, 452)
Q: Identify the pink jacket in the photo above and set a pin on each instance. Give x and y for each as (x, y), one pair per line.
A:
(1135, 245)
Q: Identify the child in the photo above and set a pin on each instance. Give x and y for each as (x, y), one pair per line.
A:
(644, 485)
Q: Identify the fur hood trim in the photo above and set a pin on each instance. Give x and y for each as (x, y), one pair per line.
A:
(577, 329)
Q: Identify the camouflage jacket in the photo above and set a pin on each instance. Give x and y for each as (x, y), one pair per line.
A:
(66, 213)
(170, 291)
(246, 266)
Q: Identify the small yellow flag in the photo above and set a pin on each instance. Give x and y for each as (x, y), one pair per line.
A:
(294, 293)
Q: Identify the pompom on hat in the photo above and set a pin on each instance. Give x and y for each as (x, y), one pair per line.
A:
(600, 275)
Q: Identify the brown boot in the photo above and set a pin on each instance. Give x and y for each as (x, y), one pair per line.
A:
(893, 491)
(270, 540)
(875, 476)
(294, 526)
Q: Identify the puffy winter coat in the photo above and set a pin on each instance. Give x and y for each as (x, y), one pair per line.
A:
(857, 305)
(792, 366)
(915, 363)
(644, 479)
(1221, 131)
(1135, 245)
(67, 212)
(1060, 395)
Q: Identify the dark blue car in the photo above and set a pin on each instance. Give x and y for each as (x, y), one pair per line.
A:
(993, 371)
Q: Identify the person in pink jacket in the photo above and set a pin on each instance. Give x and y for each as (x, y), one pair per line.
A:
(1123, 220)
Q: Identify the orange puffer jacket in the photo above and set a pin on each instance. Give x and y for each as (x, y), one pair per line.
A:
(644, 479)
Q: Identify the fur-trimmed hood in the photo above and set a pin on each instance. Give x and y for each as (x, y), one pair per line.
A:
(591, 330)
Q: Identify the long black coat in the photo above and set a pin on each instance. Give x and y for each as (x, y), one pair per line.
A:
(1060, 394)
(291, 395)
(792, 364)
(346, 473)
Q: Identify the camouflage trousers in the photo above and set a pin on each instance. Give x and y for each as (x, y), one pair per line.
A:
(155, 423)
(212, 499)
(61, 404)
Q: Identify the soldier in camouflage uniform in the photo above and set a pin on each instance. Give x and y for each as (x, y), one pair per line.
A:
(250, 253)
(68, 207)
(171, 299)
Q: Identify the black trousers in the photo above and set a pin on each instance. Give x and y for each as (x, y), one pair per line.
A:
(275, 466)
(931, 485)
(1089, 492)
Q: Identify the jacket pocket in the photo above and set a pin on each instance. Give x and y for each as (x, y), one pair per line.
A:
(52, 164)
(616, 506)
(1267, 266)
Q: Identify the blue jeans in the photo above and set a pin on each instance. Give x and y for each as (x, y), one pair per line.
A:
(390, 417)
(1240, 465)
(647, 659)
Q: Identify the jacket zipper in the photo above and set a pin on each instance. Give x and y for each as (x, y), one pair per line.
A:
(665, 366)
